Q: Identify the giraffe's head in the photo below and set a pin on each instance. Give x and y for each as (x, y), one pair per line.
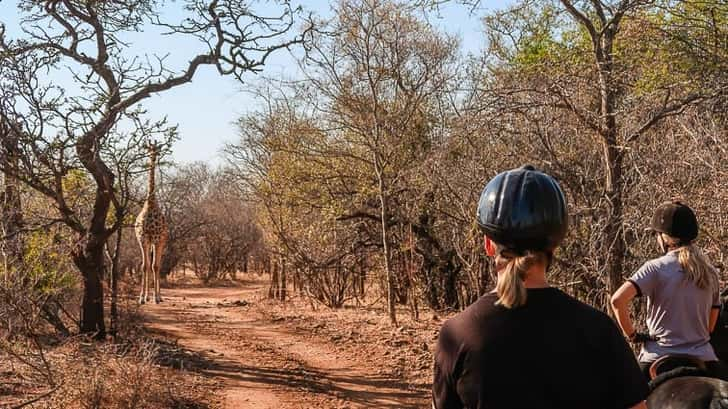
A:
(153, 148)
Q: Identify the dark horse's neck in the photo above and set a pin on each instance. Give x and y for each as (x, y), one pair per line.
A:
(690, 392)
(719, 336)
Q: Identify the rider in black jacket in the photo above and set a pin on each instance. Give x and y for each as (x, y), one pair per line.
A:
(527, 345)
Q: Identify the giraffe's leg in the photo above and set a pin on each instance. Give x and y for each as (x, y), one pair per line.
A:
(143, 283)
(158, 253)
(147, 270)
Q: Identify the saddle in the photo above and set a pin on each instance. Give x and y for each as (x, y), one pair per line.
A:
(675, 366)
(671, 362)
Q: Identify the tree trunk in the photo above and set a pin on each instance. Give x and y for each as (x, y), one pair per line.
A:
(170, 261)
(483, 277)
(432, 295)
(613, 239)
(403, 282)
(273, 289)
(12, 215)
(362, 277)
(195, 266)
(89, 255)
(115, 282)
(282, 292)
(90, 262)
(411, 276)
(614, 245)
(449, 272)
(391, 289)
(296, 280)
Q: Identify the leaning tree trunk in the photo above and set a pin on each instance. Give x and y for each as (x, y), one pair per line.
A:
(12, 215)
(89, 258)
(89, 254)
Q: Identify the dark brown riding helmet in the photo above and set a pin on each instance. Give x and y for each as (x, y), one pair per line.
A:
(523, 209)
(675, 219)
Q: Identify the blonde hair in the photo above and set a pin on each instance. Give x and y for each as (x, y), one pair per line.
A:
(510, 287)
(695, 265)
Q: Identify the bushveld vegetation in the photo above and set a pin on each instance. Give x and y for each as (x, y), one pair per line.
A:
(373, 164)
(360, 179)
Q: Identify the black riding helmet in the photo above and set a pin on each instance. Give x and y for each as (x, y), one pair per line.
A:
(675, 219)
(523, 209)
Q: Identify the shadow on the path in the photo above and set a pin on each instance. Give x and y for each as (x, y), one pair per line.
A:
(368, 391)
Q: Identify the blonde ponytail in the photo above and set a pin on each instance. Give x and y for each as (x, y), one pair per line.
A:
(510, 287)
(695, 265)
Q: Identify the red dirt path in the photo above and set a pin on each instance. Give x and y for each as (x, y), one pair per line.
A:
(264, 361)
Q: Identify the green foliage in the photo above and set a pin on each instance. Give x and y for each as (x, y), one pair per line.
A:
(684, 45)
(539, 42)
(78, 189)
(304, 176)
(76, 182)
(46, 263)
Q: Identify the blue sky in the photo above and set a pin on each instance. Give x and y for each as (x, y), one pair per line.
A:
(206, 109)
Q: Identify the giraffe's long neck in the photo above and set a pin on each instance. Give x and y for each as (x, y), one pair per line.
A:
(151, 197)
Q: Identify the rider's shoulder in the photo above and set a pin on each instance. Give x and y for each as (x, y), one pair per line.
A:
(659, 263)
(475, 312)
(586, 312)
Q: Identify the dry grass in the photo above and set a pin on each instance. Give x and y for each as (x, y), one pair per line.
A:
(97, 375)
(110, 376)
(132, 371)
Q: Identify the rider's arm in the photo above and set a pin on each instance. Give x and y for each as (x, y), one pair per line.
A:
(628, 384)
(645, 281)
(714, 312)
(444, 392)
(620, 304)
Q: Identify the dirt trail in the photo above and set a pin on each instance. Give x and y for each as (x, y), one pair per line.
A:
(264, 363)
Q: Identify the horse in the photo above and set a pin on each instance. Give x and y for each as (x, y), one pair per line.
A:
(719, 337)
(687, 387)
(690, 392)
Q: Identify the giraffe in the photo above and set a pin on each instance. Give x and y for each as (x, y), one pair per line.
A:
(151, 231)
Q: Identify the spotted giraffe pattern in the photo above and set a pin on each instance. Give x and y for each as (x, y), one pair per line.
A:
(152, 233)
